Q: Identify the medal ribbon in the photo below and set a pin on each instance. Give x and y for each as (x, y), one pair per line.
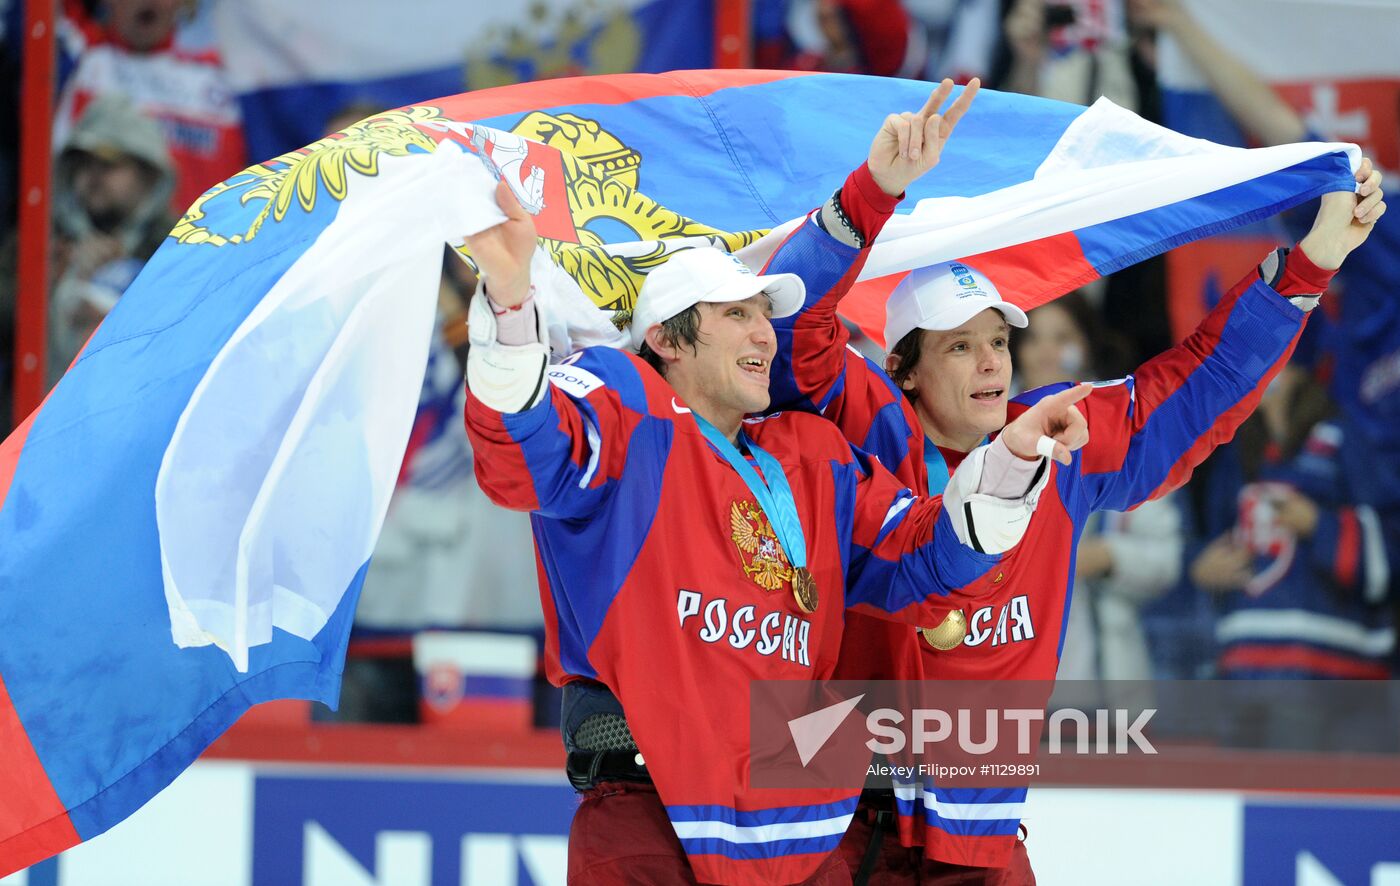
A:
(774, 496)
(938, 473)
(937, 468)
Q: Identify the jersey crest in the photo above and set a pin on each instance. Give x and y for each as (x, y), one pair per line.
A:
(760, 553)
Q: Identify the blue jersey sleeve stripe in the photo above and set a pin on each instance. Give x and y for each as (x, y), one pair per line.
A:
(822, 262)
(1255, 336)
(816, 256)
(888, 437)
(619, 372)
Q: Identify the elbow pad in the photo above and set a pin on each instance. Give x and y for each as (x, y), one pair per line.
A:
(507, 378)
(986, 523)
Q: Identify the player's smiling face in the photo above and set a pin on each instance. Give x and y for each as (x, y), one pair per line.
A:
(726, 376)
(962, 379)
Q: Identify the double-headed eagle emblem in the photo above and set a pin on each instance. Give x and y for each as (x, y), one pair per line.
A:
(759, 552)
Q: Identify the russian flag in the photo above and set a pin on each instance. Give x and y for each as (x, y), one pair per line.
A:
(185, 522)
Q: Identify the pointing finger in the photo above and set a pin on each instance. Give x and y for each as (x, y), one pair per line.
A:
(1058, 403)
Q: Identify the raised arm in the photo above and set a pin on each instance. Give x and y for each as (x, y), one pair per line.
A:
(550, 439)
(815, 369)
(1249, 100)
(1150, 430)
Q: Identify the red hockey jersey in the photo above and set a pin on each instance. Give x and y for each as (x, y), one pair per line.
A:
(666, 584)
(1147, 433)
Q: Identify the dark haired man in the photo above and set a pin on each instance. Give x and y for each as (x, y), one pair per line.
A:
(945, 388)
(689, 548)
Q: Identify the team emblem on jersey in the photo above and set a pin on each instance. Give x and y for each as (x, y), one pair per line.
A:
(759, 552)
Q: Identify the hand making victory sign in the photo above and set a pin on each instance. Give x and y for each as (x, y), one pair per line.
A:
(910, 144)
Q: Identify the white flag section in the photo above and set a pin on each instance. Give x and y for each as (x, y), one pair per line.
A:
(1109, 164)
(275, 484)
(276, 481)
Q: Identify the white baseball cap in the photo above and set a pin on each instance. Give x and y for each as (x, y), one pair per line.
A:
(705, 273)
(943, 296)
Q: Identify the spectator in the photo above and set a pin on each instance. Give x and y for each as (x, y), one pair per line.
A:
(112, 186)
(1073, 51)
(961, 36)
(131, 49)
(1124, 559)
(1364, 344)
(856, 36)
(1077, 51)
(1300, 570)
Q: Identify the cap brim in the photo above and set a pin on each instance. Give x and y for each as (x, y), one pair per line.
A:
(786, 292)
(961, 313)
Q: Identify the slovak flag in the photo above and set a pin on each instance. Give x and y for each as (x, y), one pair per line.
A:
(185, 522)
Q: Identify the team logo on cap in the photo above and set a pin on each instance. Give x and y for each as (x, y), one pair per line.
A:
(963, 275)
(760, 554)
(743, 268)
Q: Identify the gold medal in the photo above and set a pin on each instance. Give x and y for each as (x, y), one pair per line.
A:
(804, 589)
(948, 635)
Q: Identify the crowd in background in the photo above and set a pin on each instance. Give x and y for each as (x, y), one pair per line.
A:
(1270, 563)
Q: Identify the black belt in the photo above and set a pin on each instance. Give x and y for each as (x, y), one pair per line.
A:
(880, 802)
(587, 768)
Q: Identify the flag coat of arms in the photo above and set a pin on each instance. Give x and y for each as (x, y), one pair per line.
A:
(185, 522)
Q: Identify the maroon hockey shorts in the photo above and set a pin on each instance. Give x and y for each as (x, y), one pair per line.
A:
(621, 835)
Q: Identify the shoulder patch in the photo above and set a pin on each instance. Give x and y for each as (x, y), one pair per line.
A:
(574, 380)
